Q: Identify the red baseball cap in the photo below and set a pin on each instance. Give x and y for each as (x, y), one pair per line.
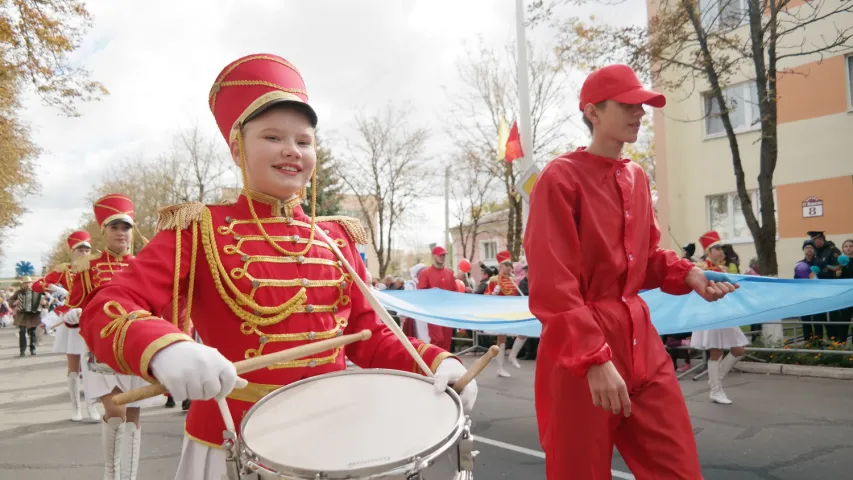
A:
(439, 251)
(619, 83)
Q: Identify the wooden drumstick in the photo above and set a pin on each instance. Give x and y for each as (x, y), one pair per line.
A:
(252, 364)
(476, 369)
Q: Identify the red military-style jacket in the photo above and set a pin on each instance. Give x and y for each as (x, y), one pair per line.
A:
(62, 276)
(505, 284)
(245, 297)
(91, 273)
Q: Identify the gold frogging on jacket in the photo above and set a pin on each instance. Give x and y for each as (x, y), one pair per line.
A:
(243, 304)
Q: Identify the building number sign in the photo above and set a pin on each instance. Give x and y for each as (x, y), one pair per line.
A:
(812, 207)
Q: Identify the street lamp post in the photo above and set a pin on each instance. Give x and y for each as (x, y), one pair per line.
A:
(525, 125)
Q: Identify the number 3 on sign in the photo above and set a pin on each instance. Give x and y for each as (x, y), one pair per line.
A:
(813, 211)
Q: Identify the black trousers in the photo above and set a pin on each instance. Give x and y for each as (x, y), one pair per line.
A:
(838, 332)
(22, 338)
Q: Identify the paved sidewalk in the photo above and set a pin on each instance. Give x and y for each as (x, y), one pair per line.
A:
(779, 428)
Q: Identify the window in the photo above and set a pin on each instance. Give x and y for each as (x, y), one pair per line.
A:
(489, 249)
(723, 14)
(743, 110)
(850, 81)
(726, 217)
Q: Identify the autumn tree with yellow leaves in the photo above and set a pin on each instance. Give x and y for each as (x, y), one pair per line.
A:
(36, 38)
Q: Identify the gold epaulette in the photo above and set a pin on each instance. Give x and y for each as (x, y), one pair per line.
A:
(494, 279)
(187, 212)
(81, 264)
(62, 267)
(702, 265)
(352, 225)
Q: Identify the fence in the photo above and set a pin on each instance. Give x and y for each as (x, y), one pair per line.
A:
(783, 347)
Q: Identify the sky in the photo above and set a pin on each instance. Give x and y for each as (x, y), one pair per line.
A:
(158, 59)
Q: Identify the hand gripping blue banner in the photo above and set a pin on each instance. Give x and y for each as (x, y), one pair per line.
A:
(758, 300)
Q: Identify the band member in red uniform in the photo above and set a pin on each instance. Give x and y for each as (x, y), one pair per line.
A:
(68, 340)
(718, 340)
(603, 376)
(503, 284)
(121, 427)
(255, 276)
(438, 276)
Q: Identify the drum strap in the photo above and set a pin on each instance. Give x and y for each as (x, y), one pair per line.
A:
(253, 392)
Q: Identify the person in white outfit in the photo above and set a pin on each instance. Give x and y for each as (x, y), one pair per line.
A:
(503, 284)
(417, 328)
(721, 339)
(121, 430)
(68, 339)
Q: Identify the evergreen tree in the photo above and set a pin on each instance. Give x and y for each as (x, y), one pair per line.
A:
(328, 187)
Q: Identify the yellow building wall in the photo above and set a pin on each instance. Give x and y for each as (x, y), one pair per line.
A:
(815, 143)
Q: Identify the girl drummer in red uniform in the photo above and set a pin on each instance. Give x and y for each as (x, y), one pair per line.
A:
(256, 277)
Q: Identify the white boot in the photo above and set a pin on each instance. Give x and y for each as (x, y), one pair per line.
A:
(112, 436)
(501, 372)
(130, 463)
(717, 393)
(94, 415)
(516, 347)
(726, 365)
(74, 392)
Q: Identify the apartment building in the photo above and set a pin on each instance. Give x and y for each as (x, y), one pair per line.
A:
(814, 176)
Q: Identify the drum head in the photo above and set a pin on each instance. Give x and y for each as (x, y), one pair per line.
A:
(353, 421)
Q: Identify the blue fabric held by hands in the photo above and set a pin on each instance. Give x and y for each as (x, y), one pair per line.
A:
(759, 299)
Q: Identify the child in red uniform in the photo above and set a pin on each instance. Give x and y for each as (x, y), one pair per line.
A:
(256, 276)
(592, 243)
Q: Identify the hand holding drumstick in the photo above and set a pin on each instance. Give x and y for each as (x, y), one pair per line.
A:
(199, 372)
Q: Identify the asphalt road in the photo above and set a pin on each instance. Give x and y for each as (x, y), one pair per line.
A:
(783, 428)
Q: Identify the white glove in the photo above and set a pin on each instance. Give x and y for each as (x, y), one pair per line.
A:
(57, 290)
(72, 317)
(450, 370)
(194, 371)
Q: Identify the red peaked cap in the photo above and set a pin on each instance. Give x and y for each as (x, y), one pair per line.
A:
(251, 84)
(619, 83)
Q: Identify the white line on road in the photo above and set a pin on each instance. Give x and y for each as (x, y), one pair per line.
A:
(537, 454)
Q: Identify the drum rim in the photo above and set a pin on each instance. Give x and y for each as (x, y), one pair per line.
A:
(425, 455)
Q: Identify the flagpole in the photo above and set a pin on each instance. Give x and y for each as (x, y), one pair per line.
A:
(524, 122)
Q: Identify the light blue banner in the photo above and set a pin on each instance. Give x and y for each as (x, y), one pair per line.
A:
(759, 299)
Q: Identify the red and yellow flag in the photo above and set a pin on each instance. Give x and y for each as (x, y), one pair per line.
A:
(513, 145)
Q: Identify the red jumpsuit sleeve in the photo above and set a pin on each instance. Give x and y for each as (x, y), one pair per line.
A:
(665, 270)
(117, 322)
(383, 349)
(552, 245)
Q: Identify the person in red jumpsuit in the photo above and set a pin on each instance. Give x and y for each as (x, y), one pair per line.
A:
(438, 276)
(603, 377)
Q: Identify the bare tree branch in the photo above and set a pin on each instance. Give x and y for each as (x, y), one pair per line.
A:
(384, 170)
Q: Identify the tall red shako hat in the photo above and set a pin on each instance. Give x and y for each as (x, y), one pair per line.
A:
(113, 207)
(250, 85)
(246, 88)
(504, 256)
(80, 238)
(710, 239)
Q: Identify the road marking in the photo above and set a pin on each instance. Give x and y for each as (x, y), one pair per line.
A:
(537, 454)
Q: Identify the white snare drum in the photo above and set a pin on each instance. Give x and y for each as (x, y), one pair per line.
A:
(358, 424)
